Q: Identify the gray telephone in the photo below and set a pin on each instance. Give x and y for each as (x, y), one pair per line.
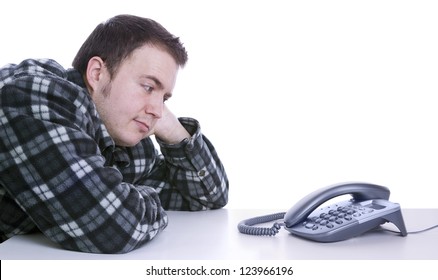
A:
(368, 209)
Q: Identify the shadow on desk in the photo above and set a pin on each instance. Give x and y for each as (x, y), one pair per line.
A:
(213, 235)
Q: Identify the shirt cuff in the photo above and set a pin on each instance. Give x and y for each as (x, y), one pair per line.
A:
(187, 146)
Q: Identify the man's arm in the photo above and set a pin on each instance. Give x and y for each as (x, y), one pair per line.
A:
(189, 174)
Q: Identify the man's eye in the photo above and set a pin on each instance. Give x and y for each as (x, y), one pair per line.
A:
(148, 88)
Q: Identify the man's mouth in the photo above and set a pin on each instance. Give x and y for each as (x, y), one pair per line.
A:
(144, 128)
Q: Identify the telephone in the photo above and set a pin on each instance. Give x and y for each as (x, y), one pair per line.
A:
(310, 219)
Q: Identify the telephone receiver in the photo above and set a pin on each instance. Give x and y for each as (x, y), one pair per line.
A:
(311, 218)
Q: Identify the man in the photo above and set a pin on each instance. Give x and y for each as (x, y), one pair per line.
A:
(76, 159)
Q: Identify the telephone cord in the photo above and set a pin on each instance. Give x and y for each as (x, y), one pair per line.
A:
(411, 232)
(247, 226)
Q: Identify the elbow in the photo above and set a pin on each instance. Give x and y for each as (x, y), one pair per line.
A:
(110, 245)
(223, 201)
(116, 239)
(221, 197)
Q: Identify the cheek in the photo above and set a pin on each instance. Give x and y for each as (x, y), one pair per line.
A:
(127, 101)
(114, 113)
(129, 108)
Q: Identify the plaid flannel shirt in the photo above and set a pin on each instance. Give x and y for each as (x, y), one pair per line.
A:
(62, 174)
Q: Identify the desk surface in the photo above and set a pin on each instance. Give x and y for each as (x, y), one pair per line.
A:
(213, 235)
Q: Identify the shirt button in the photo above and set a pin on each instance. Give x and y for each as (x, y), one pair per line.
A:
(201, 173)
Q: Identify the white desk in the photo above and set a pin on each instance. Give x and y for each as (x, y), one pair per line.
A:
(213, 235)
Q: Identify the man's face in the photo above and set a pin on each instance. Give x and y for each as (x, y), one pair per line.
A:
(133, 101)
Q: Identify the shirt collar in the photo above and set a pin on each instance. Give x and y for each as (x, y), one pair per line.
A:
(114, 155)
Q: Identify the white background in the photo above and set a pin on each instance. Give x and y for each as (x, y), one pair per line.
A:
(295, 95)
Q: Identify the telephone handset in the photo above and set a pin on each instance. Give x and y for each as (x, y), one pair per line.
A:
(368, 209)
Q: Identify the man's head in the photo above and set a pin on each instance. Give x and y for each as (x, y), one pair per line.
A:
(130, 65)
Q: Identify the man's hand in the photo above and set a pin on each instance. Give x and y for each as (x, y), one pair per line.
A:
(169, 129)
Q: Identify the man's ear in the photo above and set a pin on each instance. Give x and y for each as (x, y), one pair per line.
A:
(94, 73)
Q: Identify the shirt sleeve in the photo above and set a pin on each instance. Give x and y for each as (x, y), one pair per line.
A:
(54, 170)
(190, 175)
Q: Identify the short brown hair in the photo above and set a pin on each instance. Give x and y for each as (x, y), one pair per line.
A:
(115, 39)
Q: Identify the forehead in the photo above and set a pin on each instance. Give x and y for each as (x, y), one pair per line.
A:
(151, 60)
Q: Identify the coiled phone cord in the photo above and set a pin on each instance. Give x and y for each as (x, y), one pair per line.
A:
(247, 226)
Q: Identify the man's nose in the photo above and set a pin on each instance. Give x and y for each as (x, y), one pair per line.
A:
(155, 107)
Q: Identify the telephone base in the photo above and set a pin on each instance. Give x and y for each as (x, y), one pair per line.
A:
(396, 218)
(347, 219)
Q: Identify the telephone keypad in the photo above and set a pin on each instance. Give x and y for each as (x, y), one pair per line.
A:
(336, 217)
